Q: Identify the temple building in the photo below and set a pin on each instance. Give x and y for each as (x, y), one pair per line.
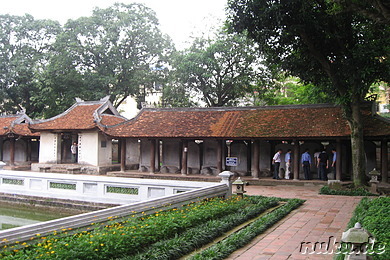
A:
(83, 124)
(244, 139)
(19, 146)
(191, 141)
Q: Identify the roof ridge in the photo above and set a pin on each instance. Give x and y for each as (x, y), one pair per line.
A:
(323, 105)
(83, 103)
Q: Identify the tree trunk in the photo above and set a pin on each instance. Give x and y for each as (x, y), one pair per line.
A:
(354, 118)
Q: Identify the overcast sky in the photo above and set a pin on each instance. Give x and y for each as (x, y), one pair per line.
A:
(178, 18)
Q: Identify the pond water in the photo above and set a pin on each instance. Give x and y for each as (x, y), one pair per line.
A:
(20, 215)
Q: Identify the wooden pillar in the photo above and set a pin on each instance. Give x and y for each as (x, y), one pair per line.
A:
(123, 154)
(184, 157)
(256, 155)
(384, 160)
(12, 151)
(219, 156)
(338, 159)
(296, 160)
(152, 168)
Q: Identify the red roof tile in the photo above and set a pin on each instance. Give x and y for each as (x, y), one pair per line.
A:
(308, 121)
(15, 124)
(81, 116)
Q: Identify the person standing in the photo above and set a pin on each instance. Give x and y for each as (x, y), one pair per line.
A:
(334, 159)
(316, 155)
(323, 164)
(73, 150)
(287, 159)
(276, 162)
(306, 162)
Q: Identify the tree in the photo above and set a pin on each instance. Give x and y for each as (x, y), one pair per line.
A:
(113, 52)
(343, 53)
(375, 10)
(219, 70)
(25, 48)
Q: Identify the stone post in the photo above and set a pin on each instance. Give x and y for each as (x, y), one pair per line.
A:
(359, 238)
(226, 176)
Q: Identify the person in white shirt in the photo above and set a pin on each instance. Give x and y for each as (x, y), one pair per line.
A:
(73, 150)
(316, 155)
(287, 159)
(276, 162)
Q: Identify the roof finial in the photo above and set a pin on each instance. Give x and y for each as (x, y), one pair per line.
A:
(105, 99)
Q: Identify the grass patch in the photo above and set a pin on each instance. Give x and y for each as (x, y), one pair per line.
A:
(183, 227)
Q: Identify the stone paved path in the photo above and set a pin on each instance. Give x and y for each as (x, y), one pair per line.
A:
(317, 220)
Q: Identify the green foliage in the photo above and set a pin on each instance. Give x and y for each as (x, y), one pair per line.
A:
(164, 229)
(219, 70)
(290, 91)
(359, 191)
(373, 215)
(342, 52)
(113, 52)
(25, 49)
(202, 234)
(235, 241)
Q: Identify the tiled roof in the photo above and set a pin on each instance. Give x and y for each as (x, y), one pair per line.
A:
(15, 124)
(83, 115)
(306, 121)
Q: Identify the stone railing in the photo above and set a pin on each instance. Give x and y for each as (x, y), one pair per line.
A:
(90, 188)
(27, 232)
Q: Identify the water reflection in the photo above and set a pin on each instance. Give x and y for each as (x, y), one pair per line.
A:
(14, 216)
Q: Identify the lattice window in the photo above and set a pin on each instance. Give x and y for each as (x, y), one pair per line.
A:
(64, 186)
(13, 181)
(122, 190)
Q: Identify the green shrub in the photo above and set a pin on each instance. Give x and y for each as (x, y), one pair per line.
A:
(360, 191)
(373, 215)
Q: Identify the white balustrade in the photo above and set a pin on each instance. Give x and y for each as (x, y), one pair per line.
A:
(91, 188)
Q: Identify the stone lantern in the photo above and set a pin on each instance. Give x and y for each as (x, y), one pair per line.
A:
(374, 180)
(359, 238)
(239, 187)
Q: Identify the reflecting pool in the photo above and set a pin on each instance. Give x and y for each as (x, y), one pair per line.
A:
(20, 215)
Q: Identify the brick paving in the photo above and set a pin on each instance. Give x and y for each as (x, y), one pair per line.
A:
(320, 218)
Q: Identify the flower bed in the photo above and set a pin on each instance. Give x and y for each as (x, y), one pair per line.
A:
(134, 235)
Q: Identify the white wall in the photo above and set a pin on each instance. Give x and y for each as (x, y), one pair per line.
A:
(104, 149)
(88, 148)
(49, 147)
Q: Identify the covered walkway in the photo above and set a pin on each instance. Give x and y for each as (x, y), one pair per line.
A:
(320, 219)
